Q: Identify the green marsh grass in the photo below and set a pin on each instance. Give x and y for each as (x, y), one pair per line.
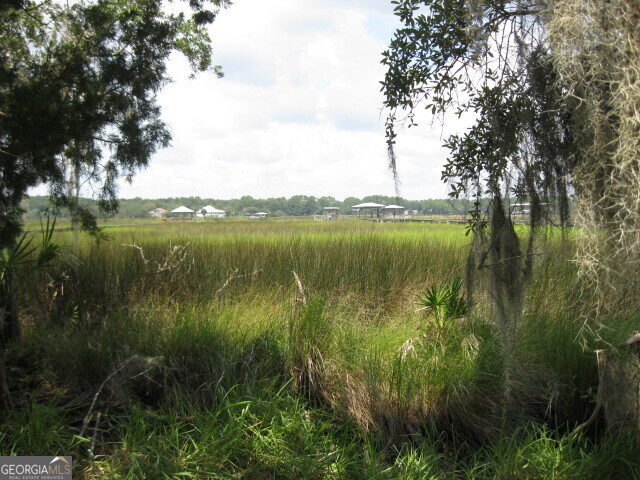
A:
(249, 383)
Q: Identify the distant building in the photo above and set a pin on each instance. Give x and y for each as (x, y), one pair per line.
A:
(520, 208)
(158, 212)
(182, 212)
(261, 215)
(331, 212)
(368, 208)
(393, 210)
(211, 211)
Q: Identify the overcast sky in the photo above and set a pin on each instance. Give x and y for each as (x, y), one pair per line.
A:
(297, 112)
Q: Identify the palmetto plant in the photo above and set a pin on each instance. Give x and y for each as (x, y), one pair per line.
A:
(23, 257)
(444, 303)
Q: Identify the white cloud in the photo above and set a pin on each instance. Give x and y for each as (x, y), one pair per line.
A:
(298, 111)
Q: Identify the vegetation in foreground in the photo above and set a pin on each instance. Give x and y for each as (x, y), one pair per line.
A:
(207, 360)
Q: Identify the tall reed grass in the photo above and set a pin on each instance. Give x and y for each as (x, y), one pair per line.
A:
(239, 379)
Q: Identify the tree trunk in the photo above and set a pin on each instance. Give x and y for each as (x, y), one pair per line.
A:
(9, 330)
(619, 389)
(5, 396)
(9, 321)
(10, 325)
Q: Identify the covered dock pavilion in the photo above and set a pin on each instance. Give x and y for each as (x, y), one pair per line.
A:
(182, 212)
(330, 212)
(368, 207)
(393, 210)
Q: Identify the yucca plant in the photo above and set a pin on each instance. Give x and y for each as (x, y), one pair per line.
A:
(444, 303)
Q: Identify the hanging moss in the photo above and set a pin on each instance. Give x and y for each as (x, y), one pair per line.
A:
(596, 49)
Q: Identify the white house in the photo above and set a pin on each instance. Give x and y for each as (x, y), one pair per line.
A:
(158, 212)
(211, 211)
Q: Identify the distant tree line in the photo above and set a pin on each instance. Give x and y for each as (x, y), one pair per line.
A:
(298, 205)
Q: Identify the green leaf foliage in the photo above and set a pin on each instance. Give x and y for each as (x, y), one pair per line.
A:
(444, 303)
(491, 58)
(78, 94)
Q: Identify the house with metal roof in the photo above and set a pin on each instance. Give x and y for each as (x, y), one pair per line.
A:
(158, 212)
(211, 211)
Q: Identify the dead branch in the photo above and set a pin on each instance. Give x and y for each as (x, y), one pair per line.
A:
(234, 275)
(87, 418)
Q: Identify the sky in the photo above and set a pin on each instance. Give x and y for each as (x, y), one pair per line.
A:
(298, 112)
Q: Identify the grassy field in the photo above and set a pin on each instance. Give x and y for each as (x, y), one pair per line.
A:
(189, 350)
